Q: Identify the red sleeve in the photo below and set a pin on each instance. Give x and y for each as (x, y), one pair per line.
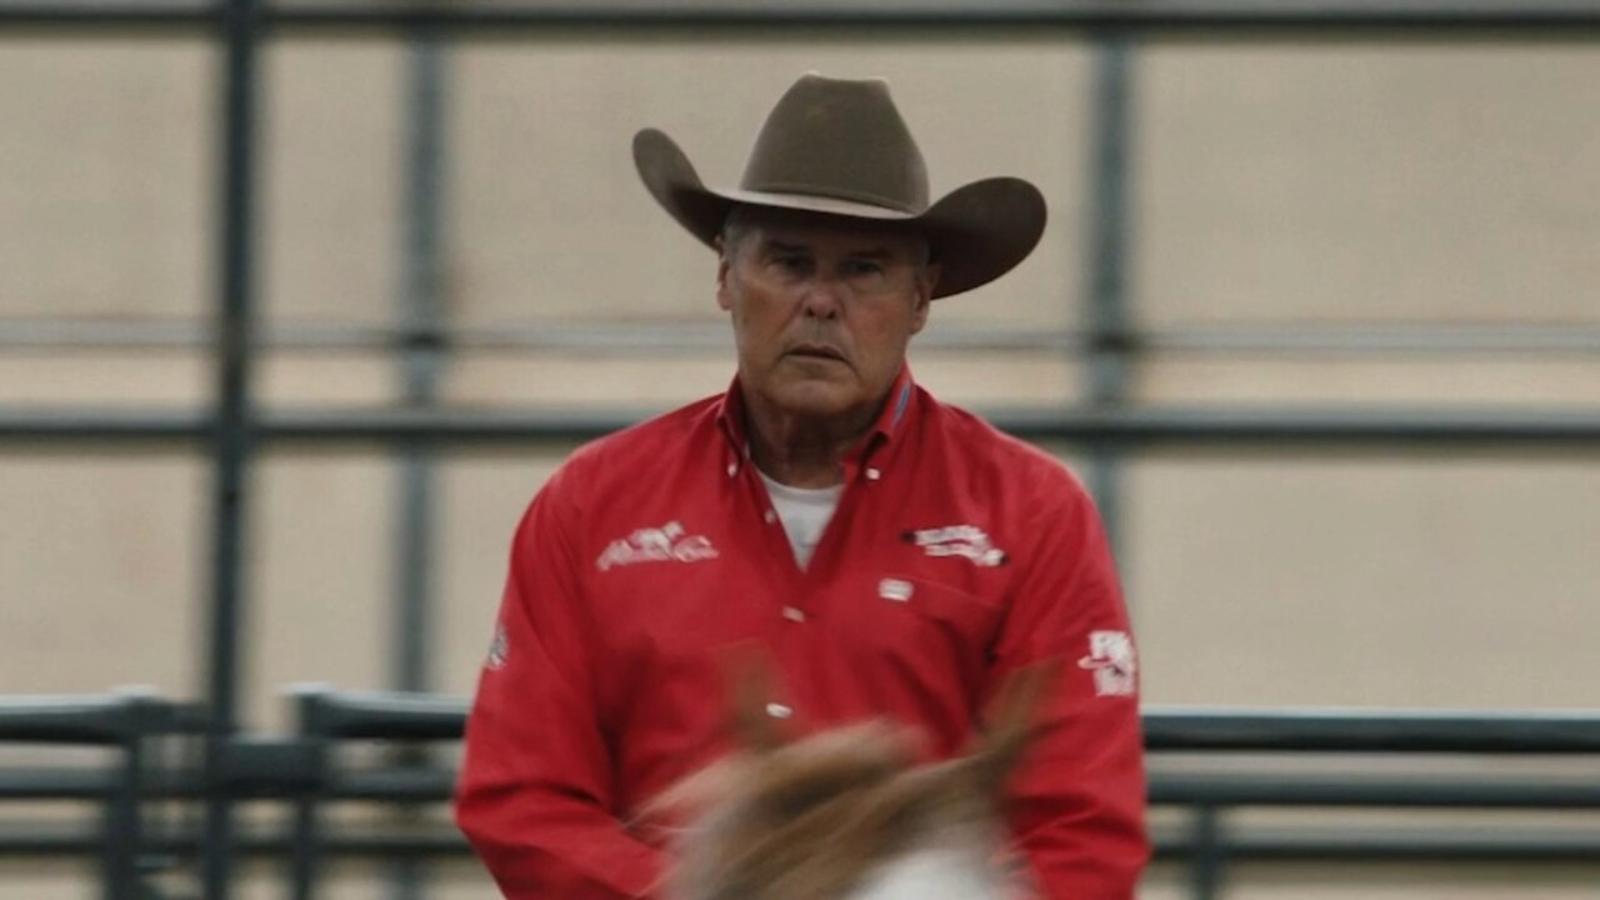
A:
(1077, 802)
(536, 798)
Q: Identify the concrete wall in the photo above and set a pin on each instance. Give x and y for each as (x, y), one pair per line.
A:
(1276, 183)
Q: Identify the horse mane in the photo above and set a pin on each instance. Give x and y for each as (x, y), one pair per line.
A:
(811, 819)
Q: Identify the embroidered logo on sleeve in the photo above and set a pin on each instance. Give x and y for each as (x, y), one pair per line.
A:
(665, 544)
(1111, 658)
(967, 541)
(499, 648)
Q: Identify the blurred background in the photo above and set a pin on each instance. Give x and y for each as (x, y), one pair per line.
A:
(299, 306)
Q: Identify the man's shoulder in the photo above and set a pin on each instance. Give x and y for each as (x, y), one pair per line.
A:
(1022, 489)
(979, 446)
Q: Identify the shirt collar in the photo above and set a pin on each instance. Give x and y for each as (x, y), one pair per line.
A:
(898, 409)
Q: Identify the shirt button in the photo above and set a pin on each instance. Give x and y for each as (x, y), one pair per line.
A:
(794, 614)
(779, 711)
(873, 474)
(733, 469)
(770, 516)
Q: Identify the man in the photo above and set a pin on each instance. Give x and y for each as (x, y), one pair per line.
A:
(892, 555)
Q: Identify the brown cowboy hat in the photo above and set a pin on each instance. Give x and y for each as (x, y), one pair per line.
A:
(840, 148)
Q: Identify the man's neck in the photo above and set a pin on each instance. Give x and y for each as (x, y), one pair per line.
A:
(803, 451)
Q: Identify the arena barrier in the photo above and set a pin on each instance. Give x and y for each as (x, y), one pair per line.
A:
(313, 769)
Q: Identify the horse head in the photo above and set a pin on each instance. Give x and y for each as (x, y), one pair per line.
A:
(849, 813)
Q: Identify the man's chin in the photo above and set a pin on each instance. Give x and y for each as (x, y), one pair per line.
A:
(815, 397)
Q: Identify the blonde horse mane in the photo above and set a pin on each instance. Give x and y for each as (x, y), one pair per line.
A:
(814, 818)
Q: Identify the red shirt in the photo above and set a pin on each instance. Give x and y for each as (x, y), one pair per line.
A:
(956, 555)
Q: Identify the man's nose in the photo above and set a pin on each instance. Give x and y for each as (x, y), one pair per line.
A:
(824, 297)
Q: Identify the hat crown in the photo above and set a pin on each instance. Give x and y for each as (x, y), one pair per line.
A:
(839, 138)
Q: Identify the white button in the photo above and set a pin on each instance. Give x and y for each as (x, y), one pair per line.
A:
(779, 711)
(733, 469)
(873, 474)
(770, 516)
(793, 614)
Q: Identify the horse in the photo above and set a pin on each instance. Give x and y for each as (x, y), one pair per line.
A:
(849, 814)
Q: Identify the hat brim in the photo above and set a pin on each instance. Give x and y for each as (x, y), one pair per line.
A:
(977, 232)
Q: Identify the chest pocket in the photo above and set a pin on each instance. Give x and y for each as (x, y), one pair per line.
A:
(920, 616)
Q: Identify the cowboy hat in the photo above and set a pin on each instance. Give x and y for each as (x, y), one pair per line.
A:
(839, 148)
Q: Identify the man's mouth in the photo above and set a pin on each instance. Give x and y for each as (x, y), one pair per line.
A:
(816, 351)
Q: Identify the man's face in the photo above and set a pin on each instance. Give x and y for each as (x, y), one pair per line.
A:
(822, 313)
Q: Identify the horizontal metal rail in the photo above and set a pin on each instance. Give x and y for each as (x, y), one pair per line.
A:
(1301, 429)
(1369, 791)
(381, 715)
(1369, 845)
(1307, 18)
(75, 783)
(422, 785)
(428, 784)
(93, 720)
(1356, 731)
(1300, 844)
(625, 338)
(1372, 338)
(1166, 729)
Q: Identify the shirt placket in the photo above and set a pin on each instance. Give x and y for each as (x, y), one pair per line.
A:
(802, 595)
(784, 593)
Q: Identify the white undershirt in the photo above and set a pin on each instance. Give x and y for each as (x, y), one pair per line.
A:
(804, 513)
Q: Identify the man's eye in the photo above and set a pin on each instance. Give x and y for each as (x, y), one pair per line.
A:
(863, 267)
(792, 263)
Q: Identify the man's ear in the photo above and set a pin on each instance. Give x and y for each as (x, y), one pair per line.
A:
(724, 298)
(927, 280)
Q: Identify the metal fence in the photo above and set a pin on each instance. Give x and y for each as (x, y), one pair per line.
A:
(310, 772)
(233, 427)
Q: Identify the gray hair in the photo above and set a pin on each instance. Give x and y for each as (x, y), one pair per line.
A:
(741, 220)
(744, 218)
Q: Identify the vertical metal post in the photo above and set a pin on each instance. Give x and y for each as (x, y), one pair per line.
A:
(421, 314)
(1108, 258)
(306, 840)
(231, 438)
(1208, 853)
(306, 848)
(123, 835)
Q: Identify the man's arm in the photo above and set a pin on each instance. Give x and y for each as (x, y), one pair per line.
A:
(536, 795)
(1077, 803)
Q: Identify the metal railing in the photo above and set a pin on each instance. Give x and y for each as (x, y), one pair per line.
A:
(673, 338)
(125, 723)
(309, 771)
(329, 718)
(1150, 17)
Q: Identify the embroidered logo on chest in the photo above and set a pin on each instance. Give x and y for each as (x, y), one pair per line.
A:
(499, 648)
(665, 544)
(967, 541)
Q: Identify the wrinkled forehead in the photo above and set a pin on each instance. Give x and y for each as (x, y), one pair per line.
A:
(821, 232)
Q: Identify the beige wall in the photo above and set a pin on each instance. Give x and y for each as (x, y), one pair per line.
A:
(1275, 183)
